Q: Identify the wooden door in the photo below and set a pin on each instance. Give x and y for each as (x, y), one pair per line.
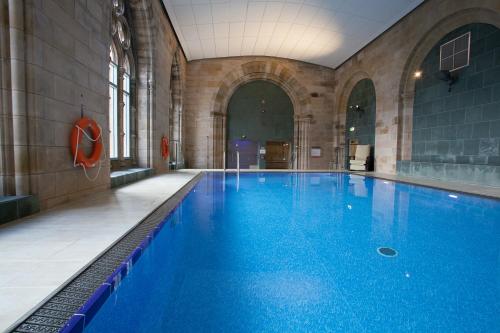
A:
(277, 154)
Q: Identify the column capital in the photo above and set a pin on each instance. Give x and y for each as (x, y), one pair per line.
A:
(303, 117)
(216, 114)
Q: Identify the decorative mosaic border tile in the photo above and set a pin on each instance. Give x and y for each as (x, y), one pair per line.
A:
(75, 303)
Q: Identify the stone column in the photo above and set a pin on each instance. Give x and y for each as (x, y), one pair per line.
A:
(218, 140)
(302, 125)
(405, 130)
(20, 119)
(339, 144)
(144, 122)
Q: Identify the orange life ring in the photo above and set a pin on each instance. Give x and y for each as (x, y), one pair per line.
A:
(76, 139)
(164, 147)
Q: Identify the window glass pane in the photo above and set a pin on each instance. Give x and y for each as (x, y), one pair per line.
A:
(113, 125)
(126, 125)
(462, 43)
(455, 53)
(447, 64)
(112, 54)
(447, 50)
(126, 82)
(113, 73)
(461, 59)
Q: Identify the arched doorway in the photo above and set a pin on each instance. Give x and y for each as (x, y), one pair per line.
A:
(360, 120)
(260, 126)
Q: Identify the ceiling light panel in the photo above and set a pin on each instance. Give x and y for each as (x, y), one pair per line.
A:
(323, 32)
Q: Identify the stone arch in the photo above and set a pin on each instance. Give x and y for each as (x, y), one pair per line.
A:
(266, 71)
(340, 115)
(143, 27)
(175, 115)
(281, 76)
(418, 54)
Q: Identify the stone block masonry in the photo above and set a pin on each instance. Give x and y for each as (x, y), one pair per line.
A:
(211, 82)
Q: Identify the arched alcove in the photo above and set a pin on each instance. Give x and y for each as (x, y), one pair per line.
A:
(455, 127)
(260, 126)
(340, 117)
(360, 117)
(420, 51)
(280, 75)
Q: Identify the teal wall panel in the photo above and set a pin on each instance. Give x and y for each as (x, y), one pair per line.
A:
(249, 117)
(461, 126)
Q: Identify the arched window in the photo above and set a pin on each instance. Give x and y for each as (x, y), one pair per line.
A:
(126, 109)
(121, 65)
(113, 102)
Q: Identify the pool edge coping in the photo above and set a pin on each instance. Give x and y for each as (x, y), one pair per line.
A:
(448, 186)
(76, 322)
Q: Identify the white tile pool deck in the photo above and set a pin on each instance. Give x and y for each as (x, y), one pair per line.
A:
(42, 251)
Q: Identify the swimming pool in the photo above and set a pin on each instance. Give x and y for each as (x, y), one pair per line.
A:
(296, 252)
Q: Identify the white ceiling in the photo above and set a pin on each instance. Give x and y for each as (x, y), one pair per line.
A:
(323, 32)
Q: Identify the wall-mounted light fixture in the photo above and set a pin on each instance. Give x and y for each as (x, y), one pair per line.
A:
(449, 77)
(356, 108)
(352, 129)
(417, 74)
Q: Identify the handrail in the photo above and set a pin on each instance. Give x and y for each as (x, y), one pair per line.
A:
(238, 161)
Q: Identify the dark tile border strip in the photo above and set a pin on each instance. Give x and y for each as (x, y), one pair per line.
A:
(436, 187)
(76, 302)
(16, 207)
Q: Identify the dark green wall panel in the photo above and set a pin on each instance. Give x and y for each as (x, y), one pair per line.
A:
(245, 116)
(460, 126)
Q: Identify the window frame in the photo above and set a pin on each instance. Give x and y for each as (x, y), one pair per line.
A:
(455, 52)
(125, 101)
(113, 113)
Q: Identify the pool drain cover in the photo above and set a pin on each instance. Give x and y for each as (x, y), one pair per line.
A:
(387, 252)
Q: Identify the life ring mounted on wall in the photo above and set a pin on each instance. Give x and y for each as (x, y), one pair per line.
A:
(164, 148)
(78, 132)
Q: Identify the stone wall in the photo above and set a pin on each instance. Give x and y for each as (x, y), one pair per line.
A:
(391, 60)
(60, 62)
(166, 48)
(55, 56)
(211, 83)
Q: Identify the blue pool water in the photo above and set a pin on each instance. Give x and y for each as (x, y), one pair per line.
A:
(297, 252)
